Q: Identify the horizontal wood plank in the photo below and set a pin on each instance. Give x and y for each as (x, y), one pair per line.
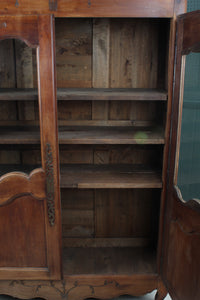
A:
(96, 8)
(109, 176)
(87, 135)
(88, 94)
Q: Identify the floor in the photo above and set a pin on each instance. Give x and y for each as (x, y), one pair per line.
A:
(147, 297)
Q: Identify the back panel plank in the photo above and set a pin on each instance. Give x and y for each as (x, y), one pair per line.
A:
(74, 52)
(126, 213)
(134, 55)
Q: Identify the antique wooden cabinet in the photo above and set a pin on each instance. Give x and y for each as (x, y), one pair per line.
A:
(91, 201)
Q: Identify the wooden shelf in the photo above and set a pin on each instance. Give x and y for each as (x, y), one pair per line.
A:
(109, 176)
(87, 135)
(101, 261)
(88, 94)
(86, 176)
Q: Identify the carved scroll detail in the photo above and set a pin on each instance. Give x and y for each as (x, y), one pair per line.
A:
(50, 184)
(77, 288)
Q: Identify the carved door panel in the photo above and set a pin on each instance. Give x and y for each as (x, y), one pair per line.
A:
(30, 226)
(181, 268)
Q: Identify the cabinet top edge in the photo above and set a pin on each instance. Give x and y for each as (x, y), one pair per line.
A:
(94, 8)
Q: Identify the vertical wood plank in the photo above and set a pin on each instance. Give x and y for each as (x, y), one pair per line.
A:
(101, 61)
(7, 65)
(101, 67)
(74, 53)
(126, 213)
(134, 53)
(24, 65)
(101, 53)
(77, 213)
(49, 132)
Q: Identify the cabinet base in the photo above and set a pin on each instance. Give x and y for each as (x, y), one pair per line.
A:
(85, 286)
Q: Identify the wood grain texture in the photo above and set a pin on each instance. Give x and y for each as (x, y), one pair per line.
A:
(106, 135)
(101, 64)
(20, 27)
(133, 53)
(82, 287)
(7, 67)
(126, 213)
(112, 8)
(180, 7)
(28, 29)
(22, 184)
(23, 237)
(101, 261)
(77, 213)
(124, 176)
(87, 94)
(87, 135)
(181, 239)
(49, 136)
(185, 238)
(74, 53)
(95, 8)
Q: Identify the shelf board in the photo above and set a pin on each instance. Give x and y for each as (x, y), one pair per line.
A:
(88, 94)
(106, 261)
(109, 176)
(87, 135)
(85, 176)
(111, 135)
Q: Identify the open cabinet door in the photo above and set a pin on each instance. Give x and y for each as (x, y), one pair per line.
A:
(30, 227)
(181, 255)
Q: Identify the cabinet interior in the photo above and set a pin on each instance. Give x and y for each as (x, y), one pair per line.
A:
(112, 104)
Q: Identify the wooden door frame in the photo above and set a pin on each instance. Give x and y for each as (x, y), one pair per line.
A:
(38, 32)
(177, 210)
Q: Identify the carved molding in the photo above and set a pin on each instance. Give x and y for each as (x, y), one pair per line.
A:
(75, 288)
(17, 184)
(50, 185)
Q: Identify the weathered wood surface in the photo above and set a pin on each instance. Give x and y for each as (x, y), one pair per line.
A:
(82, 287)
(121, 217)
(87, 94)
(105, 176)
(107, 260)
(87, 135)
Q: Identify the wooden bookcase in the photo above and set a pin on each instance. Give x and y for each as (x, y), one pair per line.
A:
(114, 74)
(111, 136)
